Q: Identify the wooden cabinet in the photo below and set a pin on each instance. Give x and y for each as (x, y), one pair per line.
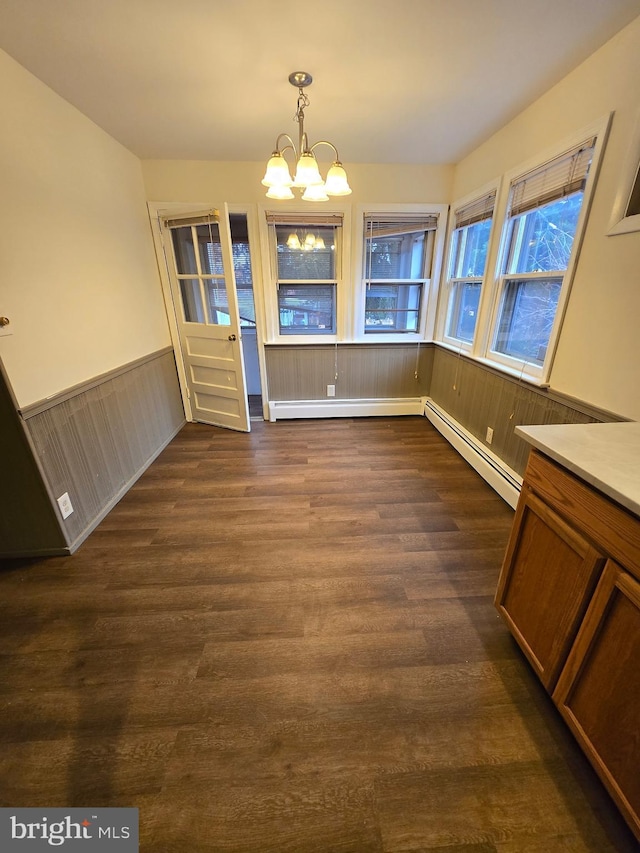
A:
(599, 691)
(549, 574)
(569, 591)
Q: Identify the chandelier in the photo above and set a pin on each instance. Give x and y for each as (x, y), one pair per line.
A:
(308, 178)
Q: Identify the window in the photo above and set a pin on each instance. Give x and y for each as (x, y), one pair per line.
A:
(306, 261)
(398, 255)
(467, 261)
(242, 269)
(542, 222)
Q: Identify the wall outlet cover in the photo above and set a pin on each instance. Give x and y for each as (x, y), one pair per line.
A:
(66, 507)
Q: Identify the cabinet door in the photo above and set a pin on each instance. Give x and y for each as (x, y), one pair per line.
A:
(598, 693)
(549, 573)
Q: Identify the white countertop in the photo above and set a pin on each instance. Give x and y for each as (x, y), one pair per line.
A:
(605, 455)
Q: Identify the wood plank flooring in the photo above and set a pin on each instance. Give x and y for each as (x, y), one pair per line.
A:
(286, 641)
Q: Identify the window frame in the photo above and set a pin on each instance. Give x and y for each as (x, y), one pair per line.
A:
(450, 282)
(623, 220)
(270, 273)
(494, 281)
(426, 319)
(539, 374)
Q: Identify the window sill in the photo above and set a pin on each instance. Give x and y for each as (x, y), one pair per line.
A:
(495, 365)
(298, 340)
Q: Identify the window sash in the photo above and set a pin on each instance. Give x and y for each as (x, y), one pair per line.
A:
(408, 298)
(300, 264)
(522, 246)
(387, 227)
(458, 244)
(534, 322)
(298, 290)
(457, 305)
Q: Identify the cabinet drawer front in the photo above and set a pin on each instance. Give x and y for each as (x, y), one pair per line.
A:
(549, 574)
(599, 691)
(610, 527)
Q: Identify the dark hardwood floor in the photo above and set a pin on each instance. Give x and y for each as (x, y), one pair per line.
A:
(286, 641)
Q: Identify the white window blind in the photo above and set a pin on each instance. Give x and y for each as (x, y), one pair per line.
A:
(386, 225)
(559, 177)
(200, 218)
(304, 219)
(478, 210)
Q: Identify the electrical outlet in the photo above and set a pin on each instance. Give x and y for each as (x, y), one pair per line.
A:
(489, 435)
(331, 390)
(64, 502)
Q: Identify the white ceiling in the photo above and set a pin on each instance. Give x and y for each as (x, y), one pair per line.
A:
(395, 81)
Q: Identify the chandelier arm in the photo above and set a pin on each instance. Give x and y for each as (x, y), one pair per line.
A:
(291, 144)
(324, 142)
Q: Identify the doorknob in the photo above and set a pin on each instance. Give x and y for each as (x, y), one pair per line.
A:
(232, 337)
(4, 321)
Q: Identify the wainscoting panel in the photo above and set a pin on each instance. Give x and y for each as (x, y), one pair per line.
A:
(479, 397)
(365, 371)
(94, 443)
(29, 524)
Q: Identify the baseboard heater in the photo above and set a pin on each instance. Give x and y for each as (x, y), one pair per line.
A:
(281, 409)
(506, 482)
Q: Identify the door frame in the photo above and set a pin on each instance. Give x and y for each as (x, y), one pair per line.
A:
(174, 208)
(251, 212)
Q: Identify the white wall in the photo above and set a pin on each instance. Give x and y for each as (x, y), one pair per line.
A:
(78, 276)
(216, 182)
(598, 356)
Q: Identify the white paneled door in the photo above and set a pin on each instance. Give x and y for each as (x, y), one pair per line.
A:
(203, 288)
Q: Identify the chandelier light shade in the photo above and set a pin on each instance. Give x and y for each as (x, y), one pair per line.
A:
(315, 192)
(281, 193)
(277, 174)
(307, 172)
(277, 177)
(336, 183)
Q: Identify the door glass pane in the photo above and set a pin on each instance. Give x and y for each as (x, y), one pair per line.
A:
(183, 250)
(218, 302)
(208, 237)
(191, 300)
(528, 310)
(306, 254)
(306, 308)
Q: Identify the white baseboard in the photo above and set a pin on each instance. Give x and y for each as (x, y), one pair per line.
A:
(281, 409)
(506, 482)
